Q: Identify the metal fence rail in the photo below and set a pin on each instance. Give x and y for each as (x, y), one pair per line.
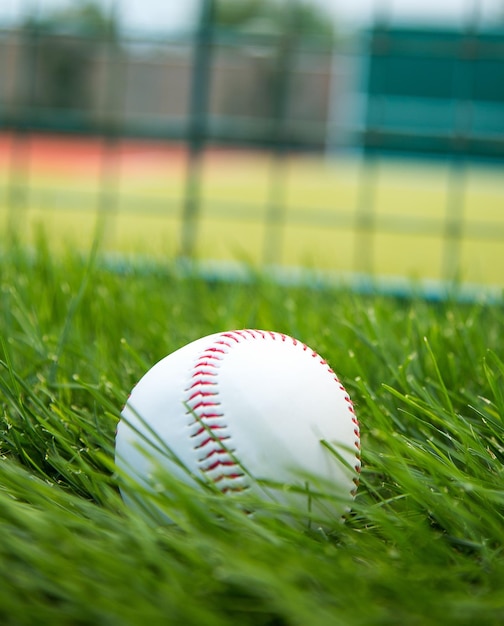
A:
(407, 92)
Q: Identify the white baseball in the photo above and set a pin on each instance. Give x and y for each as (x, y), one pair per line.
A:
(245, 409)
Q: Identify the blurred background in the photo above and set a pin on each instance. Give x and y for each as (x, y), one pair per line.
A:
(361, 141)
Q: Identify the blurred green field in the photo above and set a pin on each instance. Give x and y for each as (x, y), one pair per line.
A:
(386, 218)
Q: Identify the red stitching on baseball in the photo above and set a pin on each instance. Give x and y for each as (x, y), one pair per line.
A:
(222, 477)
(219, 350)
(203, 372)
(206, 411)
(202, 394)
(210, 358)
(231, 336)
(355, 422)
(224, 343)
(206, 366)
(208, 440)
(218, 463)
(204, 429)
(207, 415)
(199, 382)
(214, 452)
(205, 404)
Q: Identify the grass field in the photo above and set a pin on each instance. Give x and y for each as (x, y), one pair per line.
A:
(387, 218)
(422, 545)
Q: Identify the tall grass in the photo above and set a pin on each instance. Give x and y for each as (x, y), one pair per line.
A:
(422, 545)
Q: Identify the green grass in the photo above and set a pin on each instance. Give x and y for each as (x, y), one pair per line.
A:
(422, 545)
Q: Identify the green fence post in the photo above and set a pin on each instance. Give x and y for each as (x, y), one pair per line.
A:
(467, 52)
(365, 209)
(19, 166)
(275, 215)
(197, 132)
(111, 129)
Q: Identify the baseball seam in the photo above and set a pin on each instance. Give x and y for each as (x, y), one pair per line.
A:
(207, 425)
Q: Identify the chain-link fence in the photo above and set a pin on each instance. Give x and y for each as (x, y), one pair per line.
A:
(373, 152)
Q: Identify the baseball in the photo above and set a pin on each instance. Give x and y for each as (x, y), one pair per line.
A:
(247, 411)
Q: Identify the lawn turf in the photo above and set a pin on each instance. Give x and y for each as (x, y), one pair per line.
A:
(422, 545)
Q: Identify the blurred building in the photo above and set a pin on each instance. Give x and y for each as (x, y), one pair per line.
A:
(415, 90)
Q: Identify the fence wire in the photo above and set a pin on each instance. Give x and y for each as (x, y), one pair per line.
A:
(354, 117)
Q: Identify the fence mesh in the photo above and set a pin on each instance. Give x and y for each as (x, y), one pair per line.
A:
(376, 152)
